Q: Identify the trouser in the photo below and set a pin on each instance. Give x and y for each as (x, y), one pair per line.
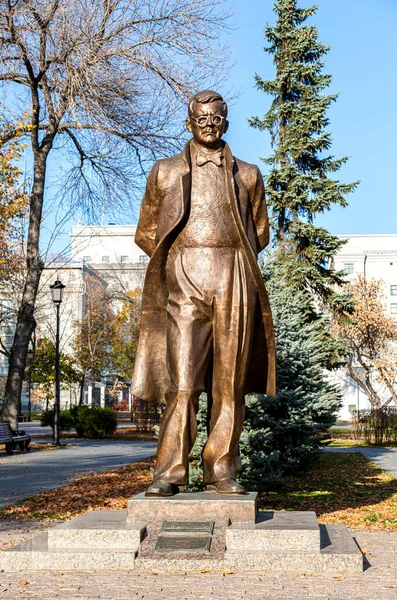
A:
(210, 319)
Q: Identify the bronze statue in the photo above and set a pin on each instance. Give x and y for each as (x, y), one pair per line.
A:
(206, 322)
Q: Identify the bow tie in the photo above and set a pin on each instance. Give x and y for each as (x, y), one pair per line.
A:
(215, 158)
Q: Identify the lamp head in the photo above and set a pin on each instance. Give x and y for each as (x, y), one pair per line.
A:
(57, 292)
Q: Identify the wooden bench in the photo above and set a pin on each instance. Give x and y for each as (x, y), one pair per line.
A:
(12, 439)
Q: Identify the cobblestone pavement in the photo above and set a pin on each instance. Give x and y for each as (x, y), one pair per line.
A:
(378, 582)
(26, 474)
(385, 458)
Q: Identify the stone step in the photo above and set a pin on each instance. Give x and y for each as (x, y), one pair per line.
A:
(194, 505)
(338, 552)
(98, 529)
(36, 555)
(276, 531)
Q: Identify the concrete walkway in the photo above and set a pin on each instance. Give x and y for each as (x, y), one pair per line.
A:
(35, 429)
(386, 458)
(26, 474)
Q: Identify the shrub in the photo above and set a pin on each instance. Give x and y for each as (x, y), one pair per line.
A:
(376, 425)
(66, 421)
(95, 423)
(78, 413)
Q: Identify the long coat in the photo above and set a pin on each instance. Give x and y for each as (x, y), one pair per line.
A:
(164, 205)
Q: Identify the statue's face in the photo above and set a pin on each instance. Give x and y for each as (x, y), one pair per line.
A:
(207, 124)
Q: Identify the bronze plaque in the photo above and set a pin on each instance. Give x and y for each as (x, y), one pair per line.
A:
(188, 527)
(183, 544)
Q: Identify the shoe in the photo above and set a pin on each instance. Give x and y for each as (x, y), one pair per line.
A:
(225, 486)
(161, 489)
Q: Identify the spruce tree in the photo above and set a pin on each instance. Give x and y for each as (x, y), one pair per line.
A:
(281, 435)
(299, 184)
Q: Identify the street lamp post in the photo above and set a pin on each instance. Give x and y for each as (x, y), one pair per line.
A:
(30, 361)
(57, 289)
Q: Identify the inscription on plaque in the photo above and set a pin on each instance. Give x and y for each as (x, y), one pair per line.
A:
(183, 527)
(183, 544)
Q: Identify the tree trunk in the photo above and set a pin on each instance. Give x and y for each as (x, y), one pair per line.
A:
(389, 385)
(25, 321)
(82, 390)
(93, 387)
(365, 386)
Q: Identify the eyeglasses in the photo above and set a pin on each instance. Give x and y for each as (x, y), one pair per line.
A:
(203, 121)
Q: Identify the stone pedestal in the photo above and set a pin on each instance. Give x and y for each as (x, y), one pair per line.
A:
(190, 532)
(194, 505)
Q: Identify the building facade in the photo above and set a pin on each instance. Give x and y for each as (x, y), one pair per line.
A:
(375, 257)
(111, 251)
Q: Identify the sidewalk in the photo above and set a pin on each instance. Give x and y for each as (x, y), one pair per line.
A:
(26, 474)
(379, 580)
(385, 458)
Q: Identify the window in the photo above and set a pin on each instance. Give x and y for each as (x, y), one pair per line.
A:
(87, 258)
(393, 290)
(393, 309)
(124, 259)
(105, 259)
(143, 258)
(349, 268)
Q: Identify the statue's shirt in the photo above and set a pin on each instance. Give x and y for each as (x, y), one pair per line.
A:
(209, 222)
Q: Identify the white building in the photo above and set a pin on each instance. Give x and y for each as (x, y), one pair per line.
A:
(111, 251)
(375, 256)
(74, 276)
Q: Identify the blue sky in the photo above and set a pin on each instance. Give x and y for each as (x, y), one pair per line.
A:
(363, 121)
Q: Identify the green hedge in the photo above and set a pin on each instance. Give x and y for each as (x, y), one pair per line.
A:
(66, 421)
(94, 423)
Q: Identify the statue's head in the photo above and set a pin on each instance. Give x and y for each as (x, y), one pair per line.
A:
(207, 118)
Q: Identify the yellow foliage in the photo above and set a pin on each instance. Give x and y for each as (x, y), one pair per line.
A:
(371, 335)
(13, 195)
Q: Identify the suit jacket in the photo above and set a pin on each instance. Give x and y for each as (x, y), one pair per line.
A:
(163, 207)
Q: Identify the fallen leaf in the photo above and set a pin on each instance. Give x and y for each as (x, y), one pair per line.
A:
(227, 571)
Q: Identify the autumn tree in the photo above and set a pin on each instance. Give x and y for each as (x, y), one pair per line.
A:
(371, 337)
(13, 208)
(104, 81)
(13, 195)
(94, 332)
(126, 334)
(43, 368)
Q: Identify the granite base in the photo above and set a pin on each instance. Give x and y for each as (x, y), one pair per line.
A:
(242, 540)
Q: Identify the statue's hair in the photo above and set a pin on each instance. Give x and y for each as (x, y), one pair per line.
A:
(204, 97)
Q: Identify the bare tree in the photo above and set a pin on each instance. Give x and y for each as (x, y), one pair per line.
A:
(100, 81)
